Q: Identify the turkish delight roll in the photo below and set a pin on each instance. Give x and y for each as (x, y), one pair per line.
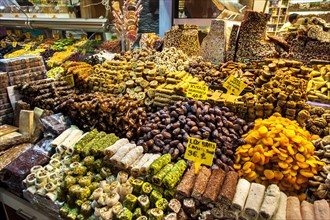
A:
(293, 209)
(242, 191)
(186, 185)
(281, 208)
(228, 189)
(201, 182)
(321, 210)
(307, 211)
(254, 200)
(269, 205)
(214, 186)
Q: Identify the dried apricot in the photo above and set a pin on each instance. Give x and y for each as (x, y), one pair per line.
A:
(269, 174)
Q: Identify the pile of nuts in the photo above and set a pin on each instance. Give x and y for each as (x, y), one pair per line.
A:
(280, 152)
(319, 120)
(320, 183)
(106, 113)
(168, 130)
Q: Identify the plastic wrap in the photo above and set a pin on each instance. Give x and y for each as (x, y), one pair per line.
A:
(14, 173)
(54, 125)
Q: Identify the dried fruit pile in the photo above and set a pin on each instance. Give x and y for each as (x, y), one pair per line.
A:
(278, 151)
(168, 130)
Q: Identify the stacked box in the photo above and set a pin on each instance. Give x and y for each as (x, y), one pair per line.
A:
(23, 69)
(6, 111)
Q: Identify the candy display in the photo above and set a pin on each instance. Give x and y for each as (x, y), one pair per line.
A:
(214, 44)
(126, 19)
(317, 123)
(318, 86)
(183, 37)
(319, 185)
(107, 129)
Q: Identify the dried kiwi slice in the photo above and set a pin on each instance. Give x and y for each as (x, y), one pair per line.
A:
(148, 101)
(138, 89)
(153, 83)
(141, 95)
(144, 83)
(129, 83)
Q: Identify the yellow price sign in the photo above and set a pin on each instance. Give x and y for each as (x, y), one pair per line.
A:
(41, 37)
(28, 35)
(18, 32)
(56, 36)
(9, 32)
(200, 152)
(71, 36)
(14, 44)
(83, 37)
(234, 86)
(69, 79)
(98, 37)
(3, 44)
(197, 91)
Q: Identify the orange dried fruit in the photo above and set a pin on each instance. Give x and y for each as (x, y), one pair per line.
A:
(269, 174)
(306, 173)
(237, 166)
(278, 175)
(299, 157)
(256, 157)
(283, 165)
(263, 131)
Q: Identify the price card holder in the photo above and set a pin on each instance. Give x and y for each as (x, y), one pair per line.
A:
(197, 91)
(234, 86)
(69, 79)
(41, 37)
(83, 37)
(200, 152)
(56, 36)
(98, 37)
(27, 35)
(14, 44)
(3, 44)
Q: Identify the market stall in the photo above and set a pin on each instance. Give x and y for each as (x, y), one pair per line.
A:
(228, 127)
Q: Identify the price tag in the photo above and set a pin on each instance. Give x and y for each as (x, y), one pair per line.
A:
(28, 35)
(69, 79)
(197, 91)
(234, 86)
(41, 37)
(83, 37)
(18, 32)
(71, 36)
(9, 32)
(27, 47)
(3, 44)
(56, 36)
(98, 37)
(14, 44)
(200, 152)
